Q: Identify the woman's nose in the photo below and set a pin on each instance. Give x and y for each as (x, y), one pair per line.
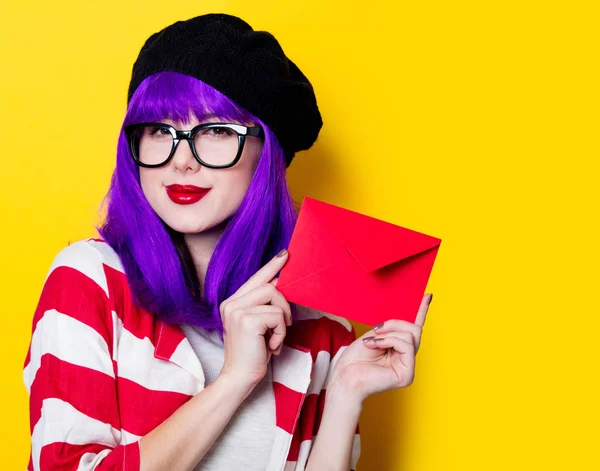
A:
(184, 157)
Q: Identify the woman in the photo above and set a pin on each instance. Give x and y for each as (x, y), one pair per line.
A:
(164, 344)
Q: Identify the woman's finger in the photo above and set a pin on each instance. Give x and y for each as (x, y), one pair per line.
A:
(262, 276)
(265, 320)
(266, 310)
(276, 323)
(399, 325)
(265, 294)
(405, 349)
(422, 313)
(401, 334)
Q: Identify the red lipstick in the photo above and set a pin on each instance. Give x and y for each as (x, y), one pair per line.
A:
(186, 194)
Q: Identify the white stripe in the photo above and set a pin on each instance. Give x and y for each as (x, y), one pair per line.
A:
(128, 437)
(61, 422)
(69, 340)
(117, 325)
(303, 452)
(334, 361)
(185, 356)
(137, 363)
(108, 255)
(91, 460)
(319, 373)
(281, 446)
(305, 312)
(292, 368)
(83, 257)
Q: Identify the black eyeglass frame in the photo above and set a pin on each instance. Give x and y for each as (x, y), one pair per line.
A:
(241, 130)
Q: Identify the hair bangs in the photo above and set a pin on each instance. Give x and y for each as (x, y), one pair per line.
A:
(179, 97)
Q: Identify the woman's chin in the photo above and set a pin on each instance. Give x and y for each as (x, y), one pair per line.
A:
(194, 227)
(188, 228)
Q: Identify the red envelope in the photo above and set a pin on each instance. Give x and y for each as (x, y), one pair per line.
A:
(355, 266)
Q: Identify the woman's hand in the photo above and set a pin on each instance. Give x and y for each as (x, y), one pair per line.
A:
(255, 319)
(383, 358)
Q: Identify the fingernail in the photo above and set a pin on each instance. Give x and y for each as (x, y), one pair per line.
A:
(282, 253)
(430, 298)
(366, 339)
(375, 327)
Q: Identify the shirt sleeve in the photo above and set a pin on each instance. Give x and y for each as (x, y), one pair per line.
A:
(69, 371)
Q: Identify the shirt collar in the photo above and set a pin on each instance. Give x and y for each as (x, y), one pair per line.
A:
(170, 344)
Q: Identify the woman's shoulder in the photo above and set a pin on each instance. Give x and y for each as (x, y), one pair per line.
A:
(88, 257)
(91, 249)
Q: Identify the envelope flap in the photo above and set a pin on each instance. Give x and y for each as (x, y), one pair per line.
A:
(372, 242)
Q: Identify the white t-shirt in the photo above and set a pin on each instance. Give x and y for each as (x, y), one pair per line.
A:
(246, 441)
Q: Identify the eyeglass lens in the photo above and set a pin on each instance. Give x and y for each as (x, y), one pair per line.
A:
(215, 146)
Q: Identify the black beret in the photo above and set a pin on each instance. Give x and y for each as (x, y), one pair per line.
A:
(247, 66)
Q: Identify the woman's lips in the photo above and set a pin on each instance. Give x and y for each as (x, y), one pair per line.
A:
(186, 194)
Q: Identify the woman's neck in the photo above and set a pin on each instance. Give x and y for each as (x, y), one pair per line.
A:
(202, 246)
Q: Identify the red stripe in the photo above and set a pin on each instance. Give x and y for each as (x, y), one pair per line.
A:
(137, 409)
(64, 456)
(138, 321)
(305, 426)
(323, 334)
(144, 409)
(288, 404)
(89, 391)
(307, 419)
(61, 456)
(294, 448)
(310, 422)
(139, 324)
(71, 292)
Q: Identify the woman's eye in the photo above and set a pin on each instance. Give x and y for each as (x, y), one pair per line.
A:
(220, 131)
(158, 131)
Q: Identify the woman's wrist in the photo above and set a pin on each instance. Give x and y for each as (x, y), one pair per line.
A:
(347, 386)
(333, 445)
(235, 385)
(340, 392)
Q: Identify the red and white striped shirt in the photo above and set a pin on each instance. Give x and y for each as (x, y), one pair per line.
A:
(101, 374)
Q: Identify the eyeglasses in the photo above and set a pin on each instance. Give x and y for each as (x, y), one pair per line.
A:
(214, 145)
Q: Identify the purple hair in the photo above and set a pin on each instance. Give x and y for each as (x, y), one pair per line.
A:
(157, 262)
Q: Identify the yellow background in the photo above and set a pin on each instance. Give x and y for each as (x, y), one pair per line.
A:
(475, 122)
